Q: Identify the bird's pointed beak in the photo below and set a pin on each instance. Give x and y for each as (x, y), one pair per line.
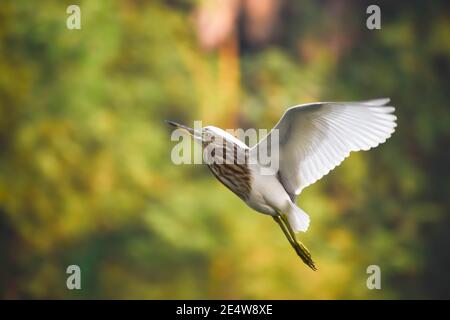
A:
(181, 126)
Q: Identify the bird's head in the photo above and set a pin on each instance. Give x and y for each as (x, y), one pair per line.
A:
(207, 134)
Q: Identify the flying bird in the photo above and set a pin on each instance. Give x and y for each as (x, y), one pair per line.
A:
(313, 139)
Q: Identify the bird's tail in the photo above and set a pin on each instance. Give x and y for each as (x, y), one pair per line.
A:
(298, 219)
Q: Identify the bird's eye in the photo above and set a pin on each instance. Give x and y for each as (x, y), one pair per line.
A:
(209, 137)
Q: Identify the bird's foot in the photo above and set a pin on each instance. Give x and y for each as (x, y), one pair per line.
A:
(299, 247)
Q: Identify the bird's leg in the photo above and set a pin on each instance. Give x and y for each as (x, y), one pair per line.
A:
(278, 220)
(292, 233)
(299, 248)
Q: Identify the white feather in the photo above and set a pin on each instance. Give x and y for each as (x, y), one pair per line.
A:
(315, 138)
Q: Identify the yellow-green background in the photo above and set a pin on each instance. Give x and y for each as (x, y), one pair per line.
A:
(85, 170)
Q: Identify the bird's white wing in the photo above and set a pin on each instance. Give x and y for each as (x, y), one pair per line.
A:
(315, 138)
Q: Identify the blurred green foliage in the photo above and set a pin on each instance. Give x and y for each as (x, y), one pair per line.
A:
(86, 176)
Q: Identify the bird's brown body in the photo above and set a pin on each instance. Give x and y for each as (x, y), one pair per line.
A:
(230, 167)
(235, 177)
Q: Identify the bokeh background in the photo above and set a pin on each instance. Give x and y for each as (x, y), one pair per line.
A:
(85, 170)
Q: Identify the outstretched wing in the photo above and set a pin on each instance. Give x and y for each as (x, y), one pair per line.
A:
(315, 138)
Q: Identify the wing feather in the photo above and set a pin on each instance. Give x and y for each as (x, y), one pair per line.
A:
(315, 138)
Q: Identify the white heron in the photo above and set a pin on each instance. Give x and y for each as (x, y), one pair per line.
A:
(313, 139)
